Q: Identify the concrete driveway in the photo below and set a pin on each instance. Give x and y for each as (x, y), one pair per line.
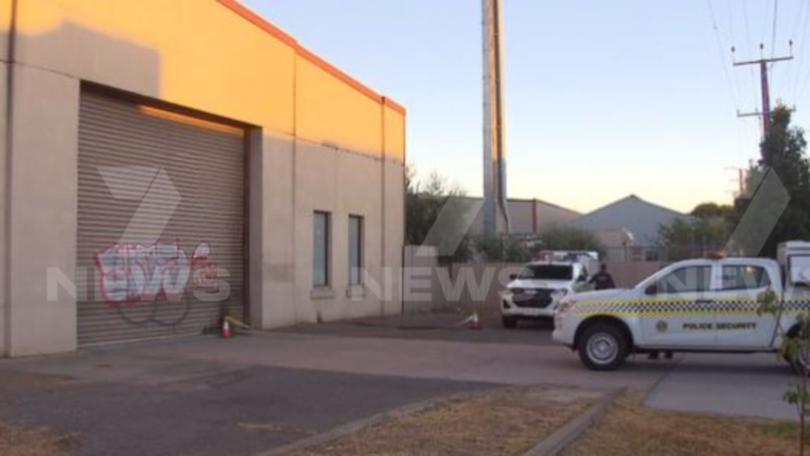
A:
(206, 395)
(741, 385)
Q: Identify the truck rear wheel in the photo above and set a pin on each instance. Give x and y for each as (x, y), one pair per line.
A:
(603, 346)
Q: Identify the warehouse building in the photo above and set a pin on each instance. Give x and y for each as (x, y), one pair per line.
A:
(166, 163)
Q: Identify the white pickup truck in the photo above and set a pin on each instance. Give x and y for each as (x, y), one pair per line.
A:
(701, 305)
(536, 291)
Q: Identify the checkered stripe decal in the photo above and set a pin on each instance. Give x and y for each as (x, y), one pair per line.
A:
(675, 307)
(797, 306)
(736, 306)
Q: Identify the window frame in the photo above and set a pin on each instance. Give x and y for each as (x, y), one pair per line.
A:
(361, 251)
(660, 280)
(765, 277)
(327, 272)
(791, 266)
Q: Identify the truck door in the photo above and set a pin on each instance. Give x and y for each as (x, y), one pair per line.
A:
(678, 309)
(738, 326)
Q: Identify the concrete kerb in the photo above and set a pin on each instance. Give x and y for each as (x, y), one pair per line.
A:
(362, 423)
(565, 435)
(571, 431)
(574, 429)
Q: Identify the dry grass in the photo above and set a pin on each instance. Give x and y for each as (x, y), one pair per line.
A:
(501, 422)
(630, 428)
(39, 441)
(32, 441)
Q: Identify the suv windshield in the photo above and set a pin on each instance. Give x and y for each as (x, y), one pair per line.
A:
(547, 272)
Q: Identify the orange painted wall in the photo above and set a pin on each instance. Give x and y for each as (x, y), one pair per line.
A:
(394, 134)
(5, 24)
(327, 108)
(210, 55)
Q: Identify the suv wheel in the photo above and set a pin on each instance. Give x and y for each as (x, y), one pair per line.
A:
(603, 346)
(509, 322)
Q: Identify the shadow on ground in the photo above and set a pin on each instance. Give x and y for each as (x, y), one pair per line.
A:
(445, 326)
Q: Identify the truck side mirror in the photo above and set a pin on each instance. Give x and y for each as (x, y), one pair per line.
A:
(652, 289)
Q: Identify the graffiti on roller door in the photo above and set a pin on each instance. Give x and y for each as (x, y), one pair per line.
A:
(132, 274)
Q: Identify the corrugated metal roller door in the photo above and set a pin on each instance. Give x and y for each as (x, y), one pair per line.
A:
(161, 210)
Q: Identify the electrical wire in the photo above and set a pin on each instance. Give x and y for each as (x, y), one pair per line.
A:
(719, 42)
(802, 46)
(749, 47)
(773, 28)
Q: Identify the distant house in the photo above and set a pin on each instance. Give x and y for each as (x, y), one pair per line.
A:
(530, 216)
(628, 227)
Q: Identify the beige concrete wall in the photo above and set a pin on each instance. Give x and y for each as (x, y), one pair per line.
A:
(422, 290)
(5, 25)
(341, 183)
(64, 42)
(43, 210)
(3, 208)
(394, 232)
(273, 261)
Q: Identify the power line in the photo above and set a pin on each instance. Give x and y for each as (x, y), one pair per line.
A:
(720, 52)
(802, 43)
(773, 28)
(764, 22)
(749, 47)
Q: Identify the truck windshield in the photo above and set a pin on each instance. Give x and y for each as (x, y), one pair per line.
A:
(547, 272)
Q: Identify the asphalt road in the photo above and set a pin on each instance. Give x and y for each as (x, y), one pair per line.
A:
(143, 399)
(206, 395)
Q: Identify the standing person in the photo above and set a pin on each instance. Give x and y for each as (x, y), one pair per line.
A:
(602, 280)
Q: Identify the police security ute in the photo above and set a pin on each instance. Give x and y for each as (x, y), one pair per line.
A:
(536, 291)
(700, 305)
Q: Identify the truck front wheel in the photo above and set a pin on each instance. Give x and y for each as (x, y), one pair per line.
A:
(603, 346)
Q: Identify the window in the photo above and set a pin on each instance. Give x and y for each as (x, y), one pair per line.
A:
(744, 277)
(800, 270)
(320, 249)
(685, 280)
(355, 250)
(547, 272)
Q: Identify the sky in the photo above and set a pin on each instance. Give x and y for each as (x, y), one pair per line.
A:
(603, 99)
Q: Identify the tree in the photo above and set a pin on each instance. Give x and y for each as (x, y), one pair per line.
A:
(708, 229)
(783, 152)
(714, 210)
(794, 349)
(570, 238)
(423, 203)
(509, 249)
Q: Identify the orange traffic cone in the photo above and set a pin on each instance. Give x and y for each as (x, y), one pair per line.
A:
(475, 323)
(226, 329)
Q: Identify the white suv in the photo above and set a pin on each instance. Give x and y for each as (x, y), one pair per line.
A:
(536, 291)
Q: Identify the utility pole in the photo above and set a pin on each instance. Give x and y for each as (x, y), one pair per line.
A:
(496, 215)
(763, 63)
